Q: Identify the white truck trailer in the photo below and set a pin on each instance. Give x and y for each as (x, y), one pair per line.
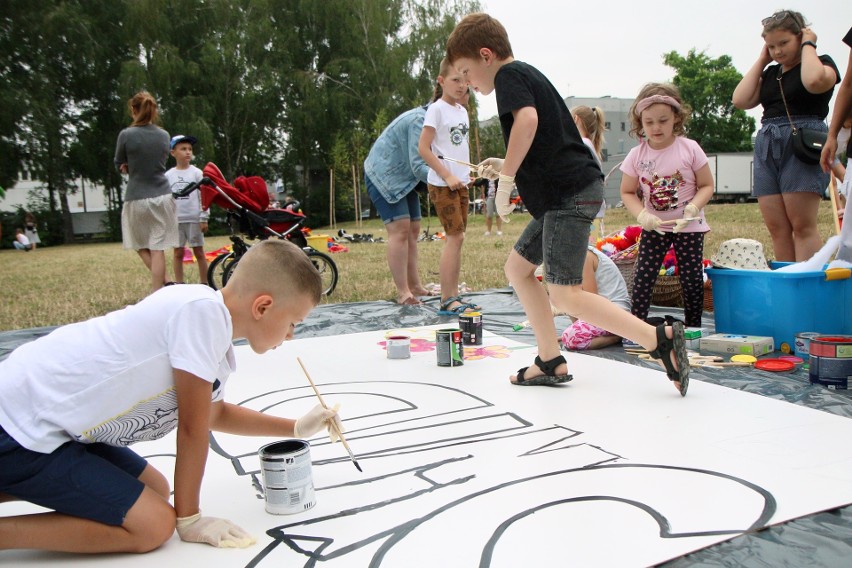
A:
(733, 176)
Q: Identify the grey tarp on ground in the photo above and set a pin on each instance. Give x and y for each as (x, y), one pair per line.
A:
(822, 539)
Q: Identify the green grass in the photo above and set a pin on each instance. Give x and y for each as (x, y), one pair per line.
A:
(58, 285)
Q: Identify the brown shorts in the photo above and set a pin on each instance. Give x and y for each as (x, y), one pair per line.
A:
(451, 207)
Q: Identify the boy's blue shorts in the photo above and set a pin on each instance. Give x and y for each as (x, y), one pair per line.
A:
(92, 481)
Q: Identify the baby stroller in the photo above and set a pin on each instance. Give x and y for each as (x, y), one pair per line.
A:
(247, 206)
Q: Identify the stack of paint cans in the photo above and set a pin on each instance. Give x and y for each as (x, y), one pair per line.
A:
(449, 346)
(831, 361)
(471, 326)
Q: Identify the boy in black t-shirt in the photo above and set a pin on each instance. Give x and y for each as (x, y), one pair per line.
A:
(562, 187)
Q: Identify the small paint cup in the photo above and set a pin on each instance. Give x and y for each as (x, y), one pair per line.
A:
(398, 347)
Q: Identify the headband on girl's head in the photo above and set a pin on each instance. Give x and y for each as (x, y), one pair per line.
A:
(656, 99)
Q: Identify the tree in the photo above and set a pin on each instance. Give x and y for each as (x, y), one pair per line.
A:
(706, 85)
(276, 88)
(356, 61)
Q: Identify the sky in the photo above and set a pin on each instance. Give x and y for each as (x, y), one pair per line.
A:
(613, 47)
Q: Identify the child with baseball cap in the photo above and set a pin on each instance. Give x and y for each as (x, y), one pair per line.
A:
(192, 220)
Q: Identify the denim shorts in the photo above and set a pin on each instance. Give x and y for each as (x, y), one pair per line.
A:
(776, 169)
(406, 208)
(560, 237)
(90, 481)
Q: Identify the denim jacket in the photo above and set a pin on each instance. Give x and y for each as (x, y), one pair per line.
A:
(394, 164)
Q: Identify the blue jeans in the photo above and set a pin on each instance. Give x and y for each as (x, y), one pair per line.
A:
(406, 208)
(560, 237)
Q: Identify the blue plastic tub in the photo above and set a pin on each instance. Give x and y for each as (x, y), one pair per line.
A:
(780, 304)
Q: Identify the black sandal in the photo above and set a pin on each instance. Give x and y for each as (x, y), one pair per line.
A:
(548, 378)
(665, 346)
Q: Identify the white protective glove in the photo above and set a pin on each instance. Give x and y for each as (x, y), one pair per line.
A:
(690, 212)
(649, 221)
(502, 200)
(213, 531)
(489, 168)
(317, 419)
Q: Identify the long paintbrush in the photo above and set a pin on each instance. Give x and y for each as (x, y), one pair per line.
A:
(333, 423)
(471, 166)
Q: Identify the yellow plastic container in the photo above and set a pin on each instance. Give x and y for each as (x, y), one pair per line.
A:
(318, 242)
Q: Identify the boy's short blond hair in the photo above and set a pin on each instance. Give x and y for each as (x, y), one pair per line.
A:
(474, 32)
(278, 268)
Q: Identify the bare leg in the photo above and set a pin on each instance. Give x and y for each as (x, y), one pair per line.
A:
(534, 299)
(145, 255)
(802, 210)
(604, 341)
(488, 223)
(499, 224)
(158, 269)
(602, 313)
(178, 264)
(398, 253)
(201, 261)
(149, 523)
(775, 216)
(414, 283)
(450, 266)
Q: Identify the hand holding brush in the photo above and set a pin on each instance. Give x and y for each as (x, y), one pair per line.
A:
(335, 427)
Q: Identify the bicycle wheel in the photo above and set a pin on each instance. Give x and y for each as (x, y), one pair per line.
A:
(327, 269)
(217, 268)
(229, 269)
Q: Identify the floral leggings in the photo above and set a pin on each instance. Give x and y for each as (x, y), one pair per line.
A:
(689, 250)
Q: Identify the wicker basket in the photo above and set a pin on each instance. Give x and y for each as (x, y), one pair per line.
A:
(667, 292)
(708, 296)
(625, 260)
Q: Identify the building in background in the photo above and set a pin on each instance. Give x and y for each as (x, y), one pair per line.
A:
(86, 201)
(617, 140)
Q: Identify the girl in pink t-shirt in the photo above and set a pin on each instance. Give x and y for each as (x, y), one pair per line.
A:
(671, 173)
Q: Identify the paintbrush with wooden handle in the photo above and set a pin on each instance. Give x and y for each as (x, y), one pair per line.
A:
(471, 166)
(333, 424)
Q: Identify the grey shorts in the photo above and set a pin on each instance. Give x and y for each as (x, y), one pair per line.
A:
(490, 206)
(560, 237)
(190, 235)
(776, 168)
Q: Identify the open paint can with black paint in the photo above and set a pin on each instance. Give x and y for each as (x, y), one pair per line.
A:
(288, 483)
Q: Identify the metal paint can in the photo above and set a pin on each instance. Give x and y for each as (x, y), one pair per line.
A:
(288, 484)
(831, 361)
(448, 345)
(398, 347)
(803, 342)
(471, 326)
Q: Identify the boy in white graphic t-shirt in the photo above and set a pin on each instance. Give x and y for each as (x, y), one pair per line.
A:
(75, 399)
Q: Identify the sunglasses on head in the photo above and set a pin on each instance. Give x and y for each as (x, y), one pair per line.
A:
(778, 17)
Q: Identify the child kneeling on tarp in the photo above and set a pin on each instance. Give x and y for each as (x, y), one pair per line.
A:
(600, 276)
(75, 399)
